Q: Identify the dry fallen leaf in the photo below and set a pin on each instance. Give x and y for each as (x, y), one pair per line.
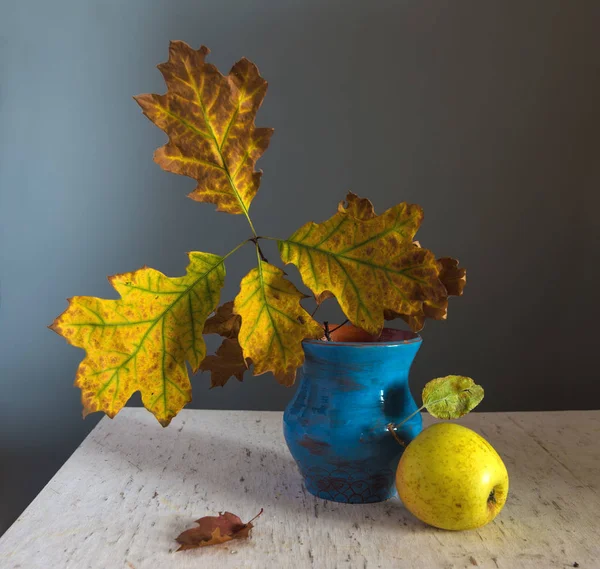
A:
(213, 530)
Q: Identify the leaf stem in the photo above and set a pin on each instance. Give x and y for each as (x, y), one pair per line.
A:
(238, 247)
(258, 249)
(250, 223)
(256, 516)
(408, 418)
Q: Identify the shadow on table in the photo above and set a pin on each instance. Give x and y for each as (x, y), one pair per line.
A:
(219, 463)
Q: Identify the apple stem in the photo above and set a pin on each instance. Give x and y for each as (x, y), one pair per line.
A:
(390, 428)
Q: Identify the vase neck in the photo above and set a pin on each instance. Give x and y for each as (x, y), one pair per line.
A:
(339, 361)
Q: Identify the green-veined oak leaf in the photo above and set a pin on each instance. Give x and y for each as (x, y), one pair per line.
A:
(450, 274)
(367, 261)
(273, 322)
(142, 341)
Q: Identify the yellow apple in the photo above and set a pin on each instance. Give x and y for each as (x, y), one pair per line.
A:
(452, 478)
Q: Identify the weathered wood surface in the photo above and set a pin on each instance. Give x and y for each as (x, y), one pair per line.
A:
(132, 487)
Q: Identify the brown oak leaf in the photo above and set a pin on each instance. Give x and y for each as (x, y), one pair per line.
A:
(224, 322)
(452, 276)
(227, 362)
(213, 530)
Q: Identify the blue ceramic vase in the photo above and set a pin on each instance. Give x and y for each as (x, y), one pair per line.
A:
(336, 424)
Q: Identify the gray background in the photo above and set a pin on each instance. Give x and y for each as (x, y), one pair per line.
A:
(485, 113)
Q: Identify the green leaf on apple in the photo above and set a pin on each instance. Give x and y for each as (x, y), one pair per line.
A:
(452, 396)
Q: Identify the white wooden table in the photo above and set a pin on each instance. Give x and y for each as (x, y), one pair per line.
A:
(132, 486)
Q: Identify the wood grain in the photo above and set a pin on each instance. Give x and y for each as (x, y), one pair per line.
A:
(132, 486)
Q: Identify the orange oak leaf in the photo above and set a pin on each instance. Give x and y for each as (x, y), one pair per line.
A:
(209, 119)
(213, 530)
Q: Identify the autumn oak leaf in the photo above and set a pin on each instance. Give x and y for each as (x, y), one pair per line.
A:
(209, 119)
(142, 341)
(226, 363)
(224, 322)
(360, 208)
(450, 274)
(213, 530)
(453, 278)
(273, 322)
(229, 359)
(367, 261)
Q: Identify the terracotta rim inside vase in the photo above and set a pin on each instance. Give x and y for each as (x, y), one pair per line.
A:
(348, 334)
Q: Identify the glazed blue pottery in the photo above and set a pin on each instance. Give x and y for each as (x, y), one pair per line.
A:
(336, 424)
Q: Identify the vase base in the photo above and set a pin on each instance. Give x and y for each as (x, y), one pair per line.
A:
(349, 487)
(341, 499)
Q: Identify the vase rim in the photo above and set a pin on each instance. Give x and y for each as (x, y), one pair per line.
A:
(388, 337)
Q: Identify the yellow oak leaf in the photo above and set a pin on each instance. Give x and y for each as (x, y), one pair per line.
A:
(142, 341)
(361, 208)
(367, 261)
(273, 322)
(209, 119)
